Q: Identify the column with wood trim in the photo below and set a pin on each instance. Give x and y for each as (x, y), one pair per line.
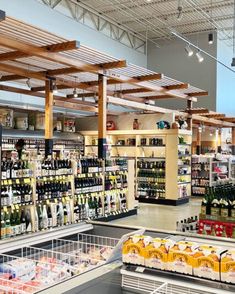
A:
(48, 117)
(102, 116)
(189, 119)
(199, 141)
(219, 142)
(233, 141)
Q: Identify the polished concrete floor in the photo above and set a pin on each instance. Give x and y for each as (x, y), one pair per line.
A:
(161, 216)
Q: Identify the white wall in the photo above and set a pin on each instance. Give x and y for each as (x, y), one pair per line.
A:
(171, 59)
(225, 81)
(38, 14)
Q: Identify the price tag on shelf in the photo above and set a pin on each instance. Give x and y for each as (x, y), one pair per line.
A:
(48, 201)
(44, 178)
(140, 269)
(5, 182)
(27, 181)
(17, 207)
(9, 182)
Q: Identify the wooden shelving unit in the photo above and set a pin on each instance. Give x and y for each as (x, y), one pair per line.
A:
(175, 187)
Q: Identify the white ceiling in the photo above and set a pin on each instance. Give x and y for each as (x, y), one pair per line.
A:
(156, 17)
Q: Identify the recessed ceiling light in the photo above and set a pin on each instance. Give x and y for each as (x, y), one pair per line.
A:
(75, 93)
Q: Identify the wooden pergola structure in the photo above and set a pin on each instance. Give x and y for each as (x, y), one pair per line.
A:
(82, 75)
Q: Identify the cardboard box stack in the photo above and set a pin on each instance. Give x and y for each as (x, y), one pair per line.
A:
(185, 257)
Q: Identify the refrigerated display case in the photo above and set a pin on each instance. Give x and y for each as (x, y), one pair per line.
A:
(110, 275)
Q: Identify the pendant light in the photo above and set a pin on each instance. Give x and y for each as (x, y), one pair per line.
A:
(210, 38)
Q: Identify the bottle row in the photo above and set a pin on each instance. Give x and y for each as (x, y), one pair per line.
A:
(21, 220)
(219, 201)
(142, 164)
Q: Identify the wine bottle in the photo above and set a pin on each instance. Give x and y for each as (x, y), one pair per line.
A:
(12, 222)
(100, 207)
(28, 221)
(49, 214)
(23, 222)
(36, 220)
(44, 217)
(66, 221)
(8, 225)
(3, 226)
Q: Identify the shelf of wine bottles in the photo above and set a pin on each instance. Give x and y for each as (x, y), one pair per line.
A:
(16, 169)
(40, 195)
(151, 179)
(219, 203)
(16, 191)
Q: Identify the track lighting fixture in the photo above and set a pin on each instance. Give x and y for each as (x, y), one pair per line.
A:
(233, 62)
(28, 83)
(75, 93)
(210, 38)
(55, 90)
(199, 56)
(189, 50)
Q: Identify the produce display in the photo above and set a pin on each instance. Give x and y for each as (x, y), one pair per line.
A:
(185, 257)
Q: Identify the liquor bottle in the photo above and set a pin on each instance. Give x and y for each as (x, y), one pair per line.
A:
(204, 203)
(23, 222)
(224, 204)
(100, 207)
(8, 225)
(36, 220)
(215, 203)
(60, 214)
(76, 212)
(40, 220)
(69, 214)
(3, 226)
(28, 221)
(66, 221)
(49, 215)
(12, 222)
(44, 217)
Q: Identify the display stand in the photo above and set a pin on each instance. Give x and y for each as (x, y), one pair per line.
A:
(163, 161)
(206, 170)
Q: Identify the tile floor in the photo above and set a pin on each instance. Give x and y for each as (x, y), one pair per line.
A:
(162, 216)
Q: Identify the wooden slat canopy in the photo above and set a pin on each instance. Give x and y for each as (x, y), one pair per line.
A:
(29, 52)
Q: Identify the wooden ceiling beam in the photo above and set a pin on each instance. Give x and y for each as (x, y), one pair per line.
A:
(63, 46)
(214, 115)
(200, 111)
(197, 94)
(69, 61)
(212, 121)
(177, 87)
(67, 70)
(229, 119)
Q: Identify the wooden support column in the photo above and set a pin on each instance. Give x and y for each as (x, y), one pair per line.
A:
(233, 141)
(102, 116)
(199, 141)
(219, 142)
(189, 119)
(49, 118)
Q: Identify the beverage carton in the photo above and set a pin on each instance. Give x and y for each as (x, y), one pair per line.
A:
(156, 253)
(133, 249)
(227, 268)
(206, 262)
(180, 257)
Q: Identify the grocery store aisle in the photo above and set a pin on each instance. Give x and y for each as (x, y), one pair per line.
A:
(161, 216)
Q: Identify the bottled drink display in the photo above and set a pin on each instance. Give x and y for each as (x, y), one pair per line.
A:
(16, 169)
(151, 179)
(218, 211)
(188, 225)
(52, 196)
